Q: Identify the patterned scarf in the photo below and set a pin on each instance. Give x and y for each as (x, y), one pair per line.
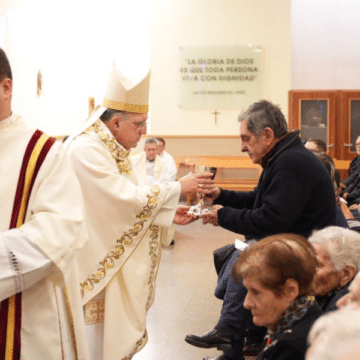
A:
(293, 314)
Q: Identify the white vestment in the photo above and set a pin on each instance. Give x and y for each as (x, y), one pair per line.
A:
(150, 173)
(118, 266)
(43, 249)
(170, 169)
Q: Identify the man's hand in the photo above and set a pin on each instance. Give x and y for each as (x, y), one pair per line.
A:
(197, 183)
(212, 196)
(345, 195)
(342, 186)
(182, 217)
(211, 217)
(354, 207)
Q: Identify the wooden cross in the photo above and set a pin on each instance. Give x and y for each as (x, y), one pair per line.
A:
(216, 113)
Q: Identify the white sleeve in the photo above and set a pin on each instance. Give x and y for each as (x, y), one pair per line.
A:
(169, 172)
(22, 263)
(165, 216)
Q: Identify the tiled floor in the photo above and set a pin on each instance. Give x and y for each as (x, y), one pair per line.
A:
(184, 301)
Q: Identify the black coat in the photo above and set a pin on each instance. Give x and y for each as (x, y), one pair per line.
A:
(354, 170)
(292, 343)
(328, 302)
(294, 194)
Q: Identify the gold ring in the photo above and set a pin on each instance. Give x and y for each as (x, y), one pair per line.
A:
(200, 185)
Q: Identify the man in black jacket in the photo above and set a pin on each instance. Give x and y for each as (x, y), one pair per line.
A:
(294, 195)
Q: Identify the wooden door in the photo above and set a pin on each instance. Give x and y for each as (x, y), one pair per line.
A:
(313, 113)
(348, 123)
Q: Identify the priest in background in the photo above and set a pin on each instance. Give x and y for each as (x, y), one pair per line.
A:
(148, 164)
(40, 231)
(118, 267)
(170, 169)
(152, 169)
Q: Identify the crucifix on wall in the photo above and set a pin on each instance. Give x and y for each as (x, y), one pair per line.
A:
(216, 114)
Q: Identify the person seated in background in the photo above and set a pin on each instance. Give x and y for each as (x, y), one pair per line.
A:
(330, 167)
(354, 168)
(318, 145)
(335, 336)
(352, 194)
(278, 273)
(338, 255)
(170, 169)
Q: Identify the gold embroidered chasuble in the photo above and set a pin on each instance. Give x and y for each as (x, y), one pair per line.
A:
(120, 262)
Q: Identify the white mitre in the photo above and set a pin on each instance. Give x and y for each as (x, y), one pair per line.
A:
(122, 93)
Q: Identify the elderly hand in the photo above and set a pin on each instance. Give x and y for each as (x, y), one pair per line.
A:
(182, 217)
(212, 196)
(211, 217)
(197, 183)
(342, 186)
(354, 207)
(345, 195)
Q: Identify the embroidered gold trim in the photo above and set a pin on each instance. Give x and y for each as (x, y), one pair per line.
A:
(95, 311)
(139, 345)
(118, 105)
(153, 251)
(120, 155)
(127, 239)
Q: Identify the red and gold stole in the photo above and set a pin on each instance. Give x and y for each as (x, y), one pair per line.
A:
(10, 309)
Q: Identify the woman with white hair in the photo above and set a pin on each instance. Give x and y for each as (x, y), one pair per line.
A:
(338, 254)
(335, 336)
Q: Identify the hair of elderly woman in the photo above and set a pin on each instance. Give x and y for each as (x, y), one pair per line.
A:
(329, 164)
(264, 114)
(276, 258)
(343, 245)
(334, 334)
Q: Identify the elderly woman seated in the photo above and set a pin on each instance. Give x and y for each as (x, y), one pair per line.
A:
(336, 336)
(338, 254)
(278, 273)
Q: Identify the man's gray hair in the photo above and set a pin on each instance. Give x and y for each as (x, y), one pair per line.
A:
(343, 245)
(109, 113)
(151, 141)
(264, 114)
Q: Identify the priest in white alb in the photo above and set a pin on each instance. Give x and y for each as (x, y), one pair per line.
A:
(170, 169)
(40, 231)
(151, 169)
(118, 266)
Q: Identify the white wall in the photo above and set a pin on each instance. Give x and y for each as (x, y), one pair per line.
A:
(73, 43)
(325, 44)
(177, 23)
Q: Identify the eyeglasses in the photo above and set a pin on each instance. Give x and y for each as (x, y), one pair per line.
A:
(140, 124)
